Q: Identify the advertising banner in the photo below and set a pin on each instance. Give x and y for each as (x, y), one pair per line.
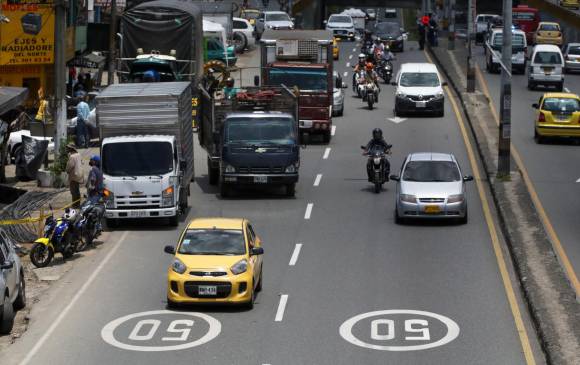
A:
(28, 37)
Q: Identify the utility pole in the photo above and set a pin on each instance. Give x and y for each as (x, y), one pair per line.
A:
(112, 35)
(59, 74)
(451, 39)
(503, 166)
(470, 37)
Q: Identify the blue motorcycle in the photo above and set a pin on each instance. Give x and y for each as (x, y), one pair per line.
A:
(60, 235)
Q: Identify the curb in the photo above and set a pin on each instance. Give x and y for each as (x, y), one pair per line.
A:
(535, 297)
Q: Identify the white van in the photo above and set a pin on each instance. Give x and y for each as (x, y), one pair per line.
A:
(519, 51)
(419, 89)
(546, 67)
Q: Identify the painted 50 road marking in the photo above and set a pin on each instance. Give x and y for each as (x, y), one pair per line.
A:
(147, 328)
(383, 329)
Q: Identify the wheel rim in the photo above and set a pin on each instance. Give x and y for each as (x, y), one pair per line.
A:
(41, 254)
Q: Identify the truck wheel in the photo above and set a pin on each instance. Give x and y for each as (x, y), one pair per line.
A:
(326, 137)
(213, 173)
(174, 221)
(7, 319)
(291, 190)
(240, 42)
(224, 190)
(112, 222)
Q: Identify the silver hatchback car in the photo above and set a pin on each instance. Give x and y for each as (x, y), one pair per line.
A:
(12, 285)
(430, 186)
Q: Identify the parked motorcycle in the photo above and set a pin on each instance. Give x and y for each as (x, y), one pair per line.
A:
(60, 235)
(377, 159)
(89, 225)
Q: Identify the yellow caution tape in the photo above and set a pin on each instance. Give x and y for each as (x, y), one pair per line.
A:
(9, 222)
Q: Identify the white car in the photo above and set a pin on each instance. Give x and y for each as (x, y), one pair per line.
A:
(15, 141)
(519, 51)
(419, 89)
(12, 284)
(273, 20)
(243, 26)
(338, 94)
(341, 25)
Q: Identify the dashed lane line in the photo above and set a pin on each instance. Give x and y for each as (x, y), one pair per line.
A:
(317, 180)
(326, 153)
(566, 90)
(345, 74)
(578, 180)
(308, 212)
(350, 57)
(333, 130)
(348, 64)
(295, 254)
(354, 49)
(281, 308)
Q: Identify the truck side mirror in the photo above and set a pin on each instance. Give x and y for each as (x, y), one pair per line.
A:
(256, 80)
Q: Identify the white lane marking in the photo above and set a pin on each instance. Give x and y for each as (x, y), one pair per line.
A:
(295, 254)
(566, 90)
(333, 130)
(281, 307)
(578, 181)
(326, 153)
(348, 64)
(397, 120)
(308, 212)
(345, 74)
(354, 49)
(73, 301)
(350, 57)
(319, 177)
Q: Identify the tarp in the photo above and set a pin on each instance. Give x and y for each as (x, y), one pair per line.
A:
(30, 158)
(161, 25)
(11, 97)
(354, 12)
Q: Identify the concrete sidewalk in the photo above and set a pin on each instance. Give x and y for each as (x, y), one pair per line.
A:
(549, 295)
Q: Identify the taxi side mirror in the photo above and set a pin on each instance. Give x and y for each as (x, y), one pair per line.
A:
(169, 249)
(535, 106)
(256, 251)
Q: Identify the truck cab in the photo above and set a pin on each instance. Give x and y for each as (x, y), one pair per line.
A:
(302, 60)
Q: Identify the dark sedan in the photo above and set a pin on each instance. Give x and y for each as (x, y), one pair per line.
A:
(392, 34)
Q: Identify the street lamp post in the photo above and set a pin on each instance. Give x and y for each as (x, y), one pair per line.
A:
(506, 93)
(470, 36)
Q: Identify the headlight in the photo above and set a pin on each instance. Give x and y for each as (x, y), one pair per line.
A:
(401, 95)
(456, 198)
(291, 169)
(377, 160)
(178, 266)
(167, 197)
(109, 198)
(229, 169)
(239, 267)
(439, 95)
(407, 198)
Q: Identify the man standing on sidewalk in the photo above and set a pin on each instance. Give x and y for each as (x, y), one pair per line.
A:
(83, 112)
(75, 174)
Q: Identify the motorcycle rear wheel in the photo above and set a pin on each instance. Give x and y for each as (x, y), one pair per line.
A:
(378, 187)
(370, 100)
(41, 255)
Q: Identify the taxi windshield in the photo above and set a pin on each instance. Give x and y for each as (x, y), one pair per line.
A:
(213, 242)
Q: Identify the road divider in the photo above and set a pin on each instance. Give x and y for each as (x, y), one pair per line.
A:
(295, 254)
(308, 212)
(281, 308)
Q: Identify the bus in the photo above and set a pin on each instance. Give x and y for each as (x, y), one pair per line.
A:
(527, 19)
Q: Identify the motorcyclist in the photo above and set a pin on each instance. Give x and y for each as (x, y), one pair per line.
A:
(230, 91)
(377, 46)
(387, 54)
(95, 188)
(372, 76)
(367, 41)
(377, 142)
(358, 67)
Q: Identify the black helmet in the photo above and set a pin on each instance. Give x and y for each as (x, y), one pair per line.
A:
(230, 82)
(377, 134)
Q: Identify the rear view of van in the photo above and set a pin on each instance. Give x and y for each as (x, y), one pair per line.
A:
(546, 67)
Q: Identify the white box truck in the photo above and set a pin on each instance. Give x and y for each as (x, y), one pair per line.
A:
(146, 149)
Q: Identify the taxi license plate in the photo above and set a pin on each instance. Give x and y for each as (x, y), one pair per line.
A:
(261, 179)
(207, 290)
(432, 209)
(138, 213)
(420, 104)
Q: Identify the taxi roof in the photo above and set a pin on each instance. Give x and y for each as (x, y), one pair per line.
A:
(217, 223)
(561, 95)
(551, 23)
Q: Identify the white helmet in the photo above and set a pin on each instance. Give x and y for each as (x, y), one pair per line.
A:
(69, 213)
(362, 55)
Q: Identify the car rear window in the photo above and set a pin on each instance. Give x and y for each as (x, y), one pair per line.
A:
(551, 58)
(431, 171)
(518, 40)
(561, 105)
(574, 50)
(550, 27)
(521, 15)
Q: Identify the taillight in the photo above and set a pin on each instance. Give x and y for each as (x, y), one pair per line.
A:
(542, 118)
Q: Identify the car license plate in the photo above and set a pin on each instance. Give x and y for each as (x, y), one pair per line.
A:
(207, 290)
(432, 209)
(260, 179)
(420, 104)
(138, 213)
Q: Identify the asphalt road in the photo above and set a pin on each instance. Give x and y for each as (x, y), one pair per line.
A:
(353, 260)
(553, 166)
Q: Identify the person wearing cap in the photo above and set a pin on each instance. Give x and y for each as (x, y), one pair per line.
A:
(75, 174)
(95, 180)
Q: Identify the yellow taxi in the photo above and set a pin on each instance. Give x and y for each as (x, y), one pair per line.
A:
(217, 260)
(548, 33)
(558, 116)
(335, 49)
(250, 15)
(570, 4)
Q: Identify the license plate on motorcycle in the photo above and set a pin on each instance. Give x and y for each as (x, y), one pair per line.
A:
(207, 290)
(138, 213)
(432, 209)
(420, 104)
(260, 179)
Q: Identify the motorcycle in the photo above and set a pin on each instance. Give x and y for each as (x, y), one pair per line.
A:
(90, 224)
(358, 82)
(367, 47)
(377, 158)
(385, 70)
(60, 235)
(369, 93)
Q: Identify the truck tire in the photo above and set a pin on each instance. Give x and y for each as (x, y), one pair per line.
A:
(291, 190)
(112, 222)
(240, 42)
(7, 316)
(225, 190)
(213, 173)
(326, 137)
(174, 221)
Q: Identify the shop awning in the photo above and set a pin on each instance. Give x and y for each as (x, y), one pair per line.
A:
(11, 97)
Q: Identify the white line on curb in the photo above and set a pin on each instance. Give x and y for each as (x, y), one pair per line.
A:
(295, 254)
(326, 153)
(348, 64)
(333, 130)
(73, 301)
(317, 180)
(308, 212)
(281, 308)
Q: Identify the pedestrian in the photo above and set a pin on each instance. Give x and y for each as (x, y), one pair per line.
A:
(75, 174)
(81, 130)
(95, 180)
(432, 31)
(421, 29)
(42, 115)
